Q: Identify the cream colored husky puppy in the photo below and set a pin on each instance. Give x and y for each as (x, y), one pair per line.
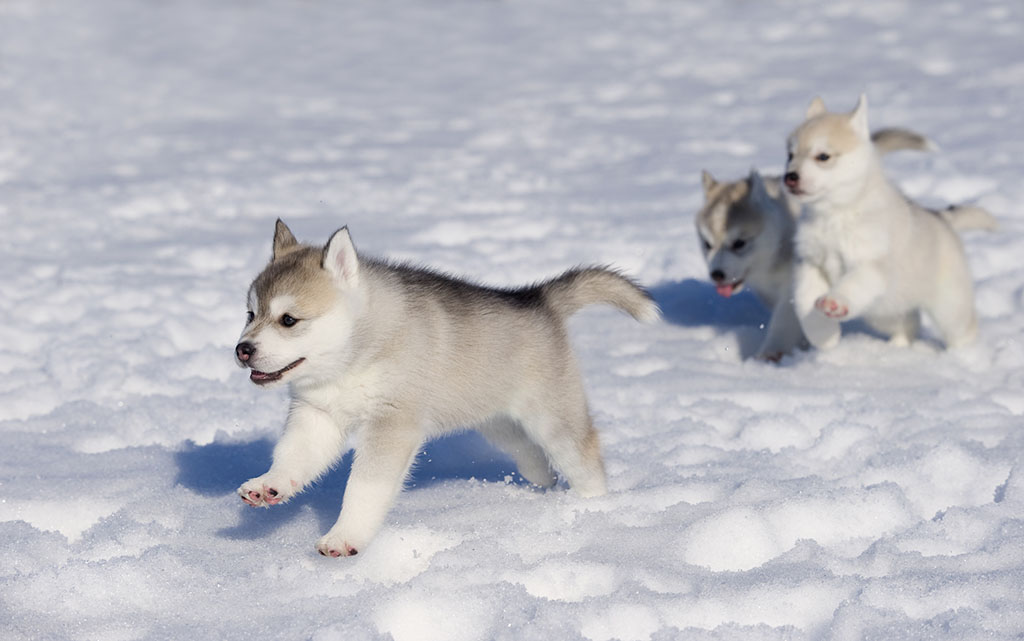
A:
(863, 250)
(393, 355)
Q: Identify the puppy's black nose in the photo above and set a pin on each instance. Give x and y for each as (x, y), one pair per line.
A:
(718, 275)
(791, 179)
(244, 351)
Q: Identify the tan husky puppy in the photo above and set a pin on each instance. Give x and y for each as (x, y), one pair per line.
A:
(393, 355)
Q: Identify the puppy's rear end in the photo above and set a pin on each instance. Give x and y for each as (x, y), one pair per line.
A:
(509, 355)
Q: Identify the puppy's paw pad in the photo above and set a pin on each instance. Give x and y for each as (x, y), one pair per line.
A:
(345, 549)
(258, 493)
(252, 494)
(271, 496)
(832, 307)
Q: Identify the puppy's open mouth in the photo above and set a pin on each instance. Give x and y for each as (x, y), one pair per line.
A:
(262, 378)
(728, 289)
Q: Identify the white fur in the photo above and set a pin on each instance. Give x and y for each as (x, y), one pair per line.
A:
(863, 249)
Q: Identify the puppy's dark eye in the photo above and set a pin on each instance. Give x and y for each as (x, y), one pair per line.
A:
(739, 244)
(249, 317)
(288, 320)
(822, 157)
(789, 157)
(706, 244)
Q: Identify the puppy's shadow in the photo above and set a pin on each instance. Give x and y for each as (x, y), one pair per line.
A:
(218, 469)
(695, 303)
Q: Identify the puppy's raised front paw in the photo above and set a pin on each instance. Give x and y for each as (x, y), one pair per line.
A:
(832, 307)
(263, 492)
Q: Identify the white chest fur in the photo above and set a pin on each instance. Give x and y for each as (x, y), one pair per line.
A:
(837, 241)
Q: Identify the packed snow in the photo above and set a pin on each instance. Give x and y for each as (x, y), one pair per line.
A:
(146, 149)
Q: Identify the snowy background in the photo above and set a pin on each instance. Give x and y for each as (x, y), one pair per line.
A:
(146, 149)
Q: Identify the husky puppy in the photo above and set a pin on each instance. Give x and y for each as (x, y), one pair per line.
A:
(394, 355)
(746, 230)
(862, 249)
(746, 234)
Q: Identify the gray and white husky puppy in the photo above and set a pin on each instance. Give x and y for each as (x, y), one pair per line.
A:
(862, 248)
(394, 355)
(746, 230)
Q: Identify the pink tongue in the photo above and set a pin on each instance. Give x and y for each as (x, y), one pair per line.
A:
(724, 290)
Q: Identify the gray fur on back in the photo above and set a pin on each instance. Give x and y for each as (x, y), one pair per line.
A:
(563, 295)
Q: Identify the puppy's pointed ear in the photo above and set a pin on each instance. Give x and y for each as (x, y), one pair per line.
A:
(283, 239)
(859, 117)
(816, 108)
(708, 181)
(340, 260)
(758, 192)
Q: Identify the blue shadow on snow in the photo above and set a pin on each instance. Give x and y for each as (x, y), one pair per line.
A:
(695, 303)
(218, 469)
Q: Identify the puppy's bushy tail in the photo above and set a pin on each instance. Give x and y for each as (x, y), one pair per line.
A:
(893, 139)
(584, 286)
(965, 217)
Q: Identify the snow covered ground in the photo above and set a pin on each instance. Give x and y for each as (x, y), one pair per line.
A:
(146, 149)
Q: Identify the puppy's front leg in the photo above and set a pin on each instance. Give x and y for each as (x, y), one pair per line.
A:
(784, 331)
(855, 292)
(311, 443)
(382, 461)
(809, 286)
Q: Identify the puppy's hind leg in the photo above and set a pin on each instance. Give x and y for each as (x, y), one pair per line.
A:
(571, 443)
(901, 330)
(508, 435)
(951, 303)
(955, 319)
